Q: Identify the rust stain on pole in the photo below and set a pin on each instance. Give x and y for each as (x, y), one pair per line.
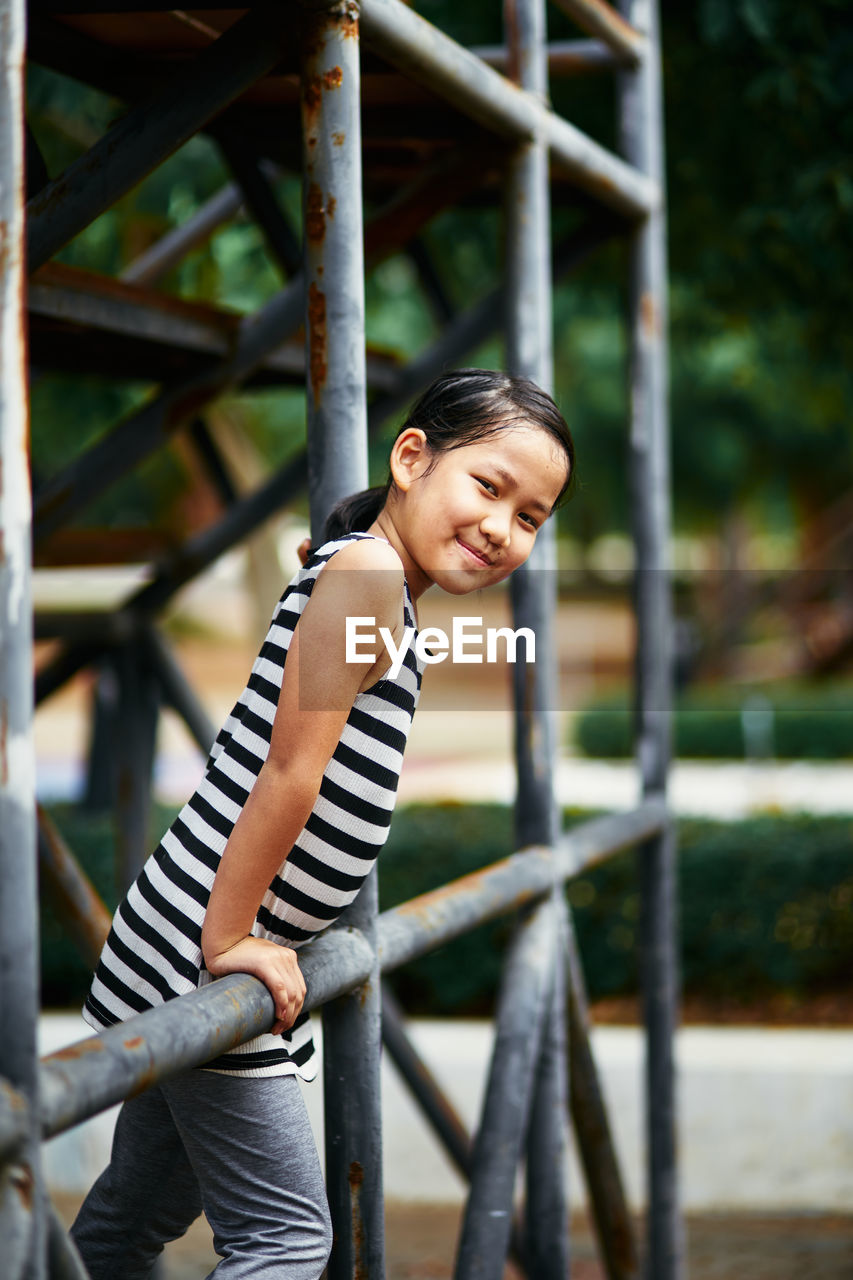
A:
(333, 78)
(315, 215)
(649, 318)
(24, 1183)
(339, 138)
(356, 1181)
(312, 93)
(79, 1050)
(347, 23)
(317, 340)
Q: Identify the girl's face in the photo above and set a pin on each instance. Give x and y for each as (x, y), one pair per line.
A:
(466, 518)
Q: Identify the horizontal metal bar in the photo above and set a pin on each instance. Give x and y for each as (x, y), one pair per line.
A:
(154, 130)
(565, 57)
(427, 55)
(428, 921)
(70, 297)
(81, 625)
(96, 303)
(87, 1077)
(599, 19)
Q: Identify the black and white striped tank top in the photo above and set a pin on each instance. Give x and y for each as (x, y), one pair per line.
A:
(153, 952)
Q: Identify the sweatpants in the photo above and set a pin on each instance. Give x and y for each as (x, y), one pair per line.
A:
(241, 1150)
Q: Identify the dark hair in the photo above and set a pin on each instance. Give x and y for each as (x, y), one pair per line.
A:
(457, 409)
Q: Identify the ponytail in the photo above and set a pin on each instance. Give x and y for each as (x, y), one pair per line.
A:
(355, 514)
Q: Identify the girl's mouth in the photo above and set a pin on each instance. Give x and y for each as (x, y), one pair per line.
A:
(477, 556)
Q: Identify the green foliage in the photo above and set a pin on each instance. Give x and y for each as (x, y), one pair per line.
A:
(760, 189)
(765, 904)
(793, 724)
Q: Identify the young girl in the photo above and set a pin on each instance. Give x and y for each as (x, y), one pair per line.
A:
(292, 811)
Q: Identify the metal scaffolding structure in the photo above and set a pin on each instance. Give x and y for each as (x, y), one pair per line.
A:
(360, 98)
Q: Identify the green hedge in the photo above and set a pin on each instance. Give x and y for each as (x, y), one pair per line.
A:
(795, 724)
(766, 904)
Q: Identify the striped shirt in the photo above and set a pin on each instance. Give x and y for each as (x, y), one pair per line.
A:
(153, 952)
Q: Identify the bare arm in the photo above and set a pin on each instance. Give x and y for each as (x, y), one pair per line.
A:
(317, 693)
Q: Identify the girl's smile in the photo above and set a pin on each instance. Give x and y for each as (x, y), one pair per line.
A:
(465, 518)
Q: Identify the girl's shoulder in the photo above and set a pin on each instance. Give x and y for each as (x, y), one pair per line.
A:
(361, 575)
(359, 551)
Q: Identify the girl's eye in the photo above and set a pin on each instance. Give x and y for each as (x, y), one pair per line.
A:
(530, 521)
(487, 484)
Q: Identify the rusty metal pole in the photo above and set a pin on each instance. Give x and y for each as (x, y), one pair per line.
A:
(546, 1220)
(530, 354)
(138, 714)
(334, 258)
(642, 142)
(336, 388)
(22, 1208)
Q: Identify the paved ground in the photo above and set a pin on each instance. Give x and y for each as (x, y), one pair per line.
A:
(421, 1240)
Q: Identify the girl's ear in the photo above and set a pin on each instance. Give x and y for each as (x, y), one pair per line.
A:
(410, 457)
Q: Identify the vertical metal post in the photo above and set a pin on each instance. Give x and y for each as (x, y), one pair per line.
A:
(334, 258)
(530, 354)
(138, 712)
(22, 1209)
(100, 791)
(642, 142)
(337, 466)
(546, 1225)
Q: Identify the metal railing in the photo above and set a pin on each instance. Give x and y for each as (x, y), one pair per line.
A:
(538, 1073)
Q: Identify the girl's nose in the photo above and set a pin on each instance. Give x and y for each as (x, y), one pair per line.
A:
(496, 527)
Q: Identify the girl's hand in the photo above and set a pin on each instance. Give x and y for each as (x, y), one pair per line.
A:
(275, 965)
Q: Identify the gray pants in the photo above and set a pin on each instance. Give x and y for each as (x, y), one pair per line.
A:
(239, 1149)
